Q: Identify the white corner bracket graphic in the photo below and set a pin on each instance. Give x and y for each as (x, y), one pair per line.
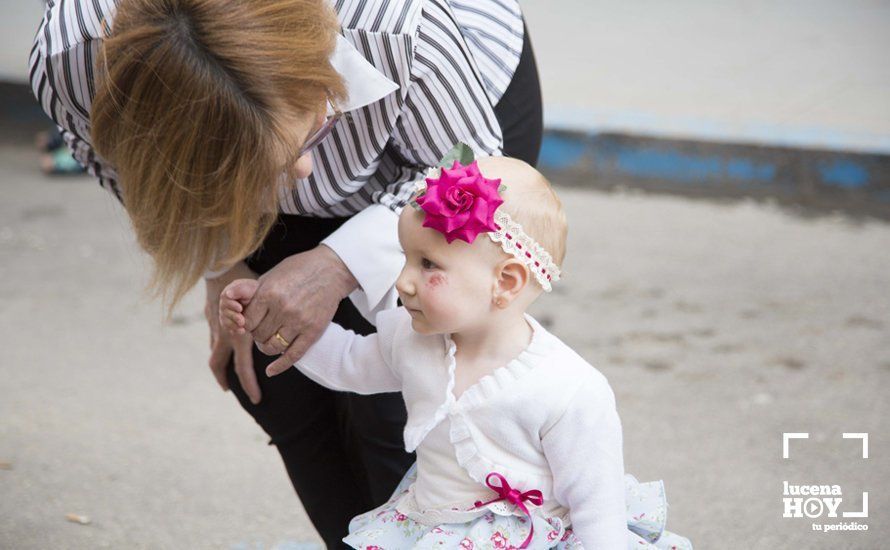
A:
(791, 435)
(864, 438)
(864, 512)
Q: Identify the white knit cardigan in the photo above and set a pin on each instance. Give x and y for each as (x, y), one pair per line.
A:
(547, 420)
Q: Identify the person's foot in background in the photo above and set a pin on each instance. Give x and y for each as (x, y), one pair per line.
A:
(56, 158)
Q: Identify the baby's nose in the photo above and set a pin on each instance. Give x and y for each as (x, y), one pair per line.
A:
(403, 285)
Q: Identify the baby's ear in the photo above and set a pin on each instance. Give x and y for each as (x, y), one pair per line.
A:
(512, 278)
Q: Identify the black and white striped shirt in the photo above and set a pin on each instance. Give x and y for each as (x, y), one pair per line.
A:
(451, 59)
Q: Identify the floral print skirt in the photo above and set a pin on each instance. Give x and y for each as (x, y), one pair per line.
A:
(385, 528)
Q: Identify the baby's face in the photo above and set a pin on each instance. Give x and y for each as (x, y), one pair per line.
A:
(447, 288)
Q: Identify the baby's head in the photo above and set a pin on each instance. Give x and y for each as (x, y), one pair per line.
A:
(458, 286)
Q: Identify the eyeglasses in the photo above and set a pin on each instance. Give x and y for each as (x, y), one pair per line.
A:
(323, 131)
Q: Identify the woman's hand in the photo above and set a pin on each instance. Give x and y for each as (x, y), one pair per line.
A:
(295, 302)
(223, 344)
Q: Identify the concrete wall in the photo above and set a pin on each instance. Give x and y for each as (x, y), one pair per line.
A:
(784, 72)
(17, 27)
(809, 73)
(782, 97)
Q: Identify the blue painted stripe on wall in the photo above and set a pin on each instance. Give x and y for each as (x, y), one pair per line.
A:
(564, 152)
(672, 165)
(561, 152)
(748, 170)
(832, 178)
(587, 120)
(845, 174)
(685, 167)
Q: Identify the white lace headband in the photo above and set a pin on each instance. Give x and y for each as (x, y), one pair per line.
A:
(517, 242)
(460, 203)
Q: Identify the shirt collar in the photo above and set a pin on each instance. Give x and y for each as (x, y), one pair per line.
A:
(364, 83)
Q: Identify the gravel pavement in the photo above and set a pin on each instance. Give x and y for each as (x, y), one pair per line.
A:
(720, 326)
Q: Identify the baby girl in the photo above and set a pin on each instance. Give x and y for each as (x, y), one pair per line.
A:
(518, 439)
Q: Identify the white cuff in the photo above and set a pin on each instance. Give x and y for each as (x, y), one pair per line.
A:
(368, 243)
(209, 274)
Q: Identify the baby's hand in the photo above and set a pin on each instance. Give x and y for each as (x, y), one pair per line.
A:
(232, 301)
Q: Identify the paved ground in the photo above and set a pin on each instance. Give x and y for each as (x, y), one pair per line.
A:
(720, 326)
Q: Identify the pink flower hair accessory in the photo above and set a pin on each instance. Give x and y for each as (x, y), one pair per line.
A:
(460, 203)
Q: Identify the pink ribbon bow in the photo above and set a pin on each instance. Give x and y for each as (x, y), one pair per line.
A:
(513, 496)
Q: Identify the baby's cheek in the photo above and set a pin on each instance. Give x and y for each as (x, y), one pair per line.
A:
(436, 281)
(438, 298)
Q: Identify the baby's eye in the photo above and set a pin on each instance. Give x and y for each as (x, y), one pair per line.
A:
(427, 264)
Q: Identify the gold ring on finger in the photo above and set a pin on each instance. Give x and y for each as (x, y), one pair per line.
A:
(281, 339)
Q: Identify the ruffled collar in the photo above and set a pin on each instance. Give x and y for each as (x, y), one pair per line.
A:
(501, 379)
(529, 358)
(483, 389)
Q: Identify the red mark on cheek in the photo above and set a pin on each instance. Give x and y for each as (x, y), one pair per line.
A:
(436, 280)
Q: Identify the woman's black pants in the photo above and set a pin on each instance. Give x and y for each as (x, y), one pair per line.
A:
(344, 452)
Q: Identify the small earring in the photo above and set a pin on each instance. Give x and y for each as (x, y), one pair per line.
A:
(499, 302)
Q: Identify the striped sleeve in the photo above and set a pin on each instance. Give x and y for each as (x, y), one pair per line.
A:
(61, 75)
(446, 104)
(494, 32)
